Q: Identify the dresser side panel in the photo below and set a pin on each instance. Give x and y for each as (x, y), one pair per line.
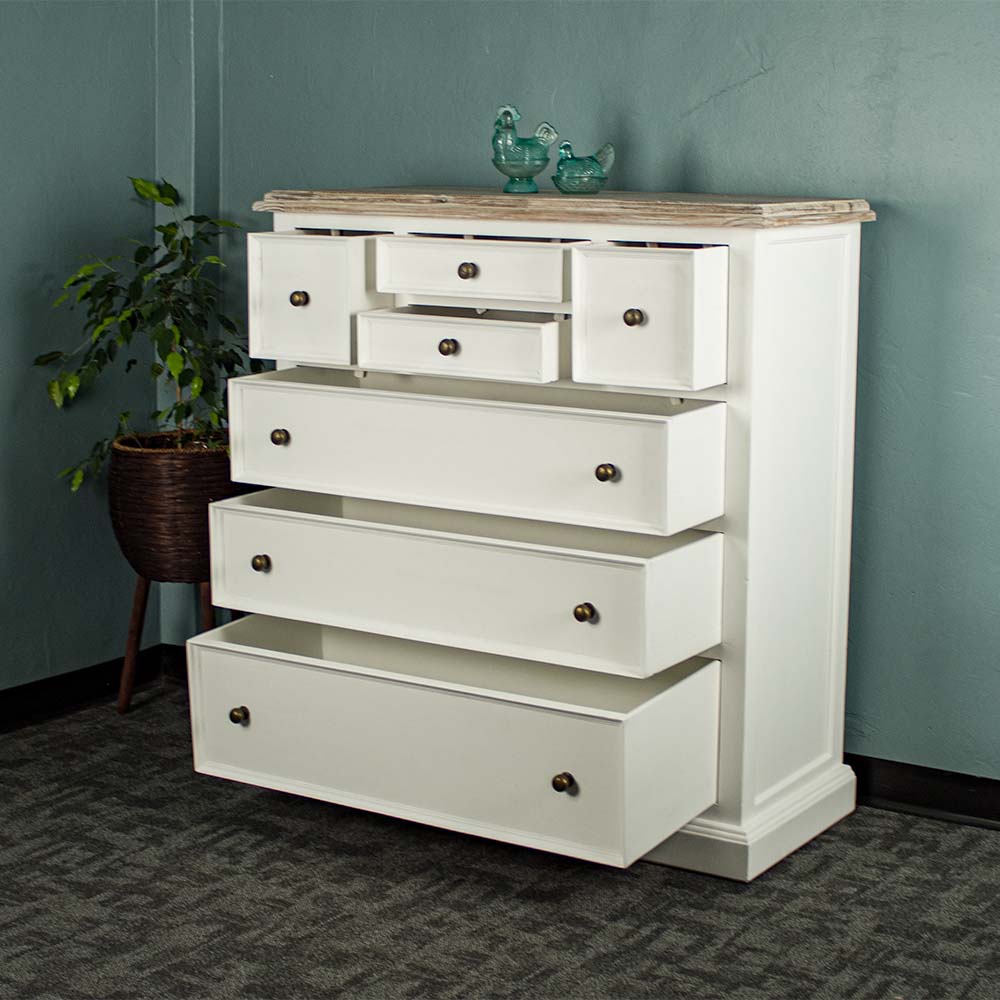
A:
(801, 476)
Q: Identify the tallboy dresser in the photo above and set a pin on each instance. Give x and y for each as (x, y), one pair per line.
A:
(557, 549)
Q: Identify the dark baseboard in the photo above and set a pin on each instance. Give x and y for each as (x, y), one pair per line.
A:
(55, 696)
(926, 791)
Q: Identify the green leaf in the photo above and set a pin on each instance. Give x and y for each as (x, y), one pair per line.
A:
(84, 272)
(101, 327)
(175, 363)
(62, 298)
(47, 359)
(197, 218)
(226, 223)
(83, 291)
(196, 386)
(74, 483)
(55, 392)
(156, 369)
(143, 253)
(168, 193)
(146, 189)
(212, 259)
(71, 386)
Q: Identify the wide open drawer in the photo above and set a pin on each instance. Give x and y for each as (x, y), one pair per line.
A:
(657, 468)
(465, 741)
(602, 600)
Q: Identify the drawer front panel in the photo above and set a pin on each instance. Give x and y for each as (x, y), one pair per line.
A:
(426, 754)
(650, 317)
(330, 278)
(506, 270)
(472, 593)
(334, 719)
(420, 344)
(502, 458)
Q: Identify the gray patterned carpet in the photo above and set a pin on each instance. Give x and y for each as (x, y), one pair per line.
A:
(125, 875)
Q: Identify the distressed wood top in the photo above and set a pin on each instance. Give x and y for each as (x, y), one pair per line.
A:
(638, 207)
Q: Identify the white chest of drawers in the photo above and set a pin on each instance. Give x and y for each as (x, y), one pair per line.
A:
(557, 544)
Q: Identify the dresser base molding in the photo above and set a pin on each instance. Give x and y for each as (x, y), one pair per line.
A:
(744, 852)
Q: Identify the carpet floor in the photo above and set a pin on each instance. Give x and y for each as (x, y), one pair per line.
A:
(125, 875)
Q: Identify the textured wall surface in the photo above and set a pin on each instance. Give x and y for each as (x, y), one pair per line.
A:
(895, 102)
(76, 118)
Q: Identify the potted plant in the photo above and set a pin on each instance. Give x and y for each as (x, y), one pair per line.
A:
(158, 311)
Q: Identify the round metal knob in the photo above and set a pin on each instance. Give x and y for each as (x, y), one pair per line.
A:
(239, 716)
(585, 612)
(563, 781)
(299, 298)
(448, 346)
(280, 436)
(634, 317)
(468, 270)
(261, 563)
(605, 472)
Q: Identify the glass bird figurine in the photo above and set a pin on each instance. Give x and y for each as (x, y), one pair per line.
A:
(520, 159)
(583, 174)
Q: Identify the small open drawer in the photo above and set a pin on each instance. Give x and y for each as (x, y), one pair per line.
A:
(581, 764)
(506, 346)
(304, 291)
(650, 316)
(481, 268)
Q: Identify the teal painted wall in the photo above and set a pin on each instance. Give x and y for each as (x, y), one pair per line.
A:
(896, 102)
(76, 117)
(890, 101)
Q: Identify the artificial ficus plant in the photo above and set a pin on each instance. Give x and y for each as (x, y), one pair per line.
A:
(163, 295)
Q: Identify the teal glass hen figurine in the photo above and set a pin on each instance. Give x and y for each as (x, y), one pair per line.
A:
(516, 158)
(583, 174)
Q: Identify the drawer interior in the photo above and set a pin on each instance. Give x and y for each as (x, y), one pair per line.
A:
(502, 677)
(512, 529)
(548, 396)
(458, 313)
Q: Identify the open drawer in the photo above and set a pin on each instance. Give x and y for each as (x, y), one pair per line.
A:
(304, 292)
(610, 601)
(656, 467)
(581, 764)
(507, 346)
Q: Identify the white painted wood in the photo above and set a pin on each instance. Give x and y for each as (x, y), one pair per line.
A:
(502, 585)
(682, 293)
(508, 269)
(348, 721)
(337, 274)
(487, 456)
(513, 347)
(789, 395)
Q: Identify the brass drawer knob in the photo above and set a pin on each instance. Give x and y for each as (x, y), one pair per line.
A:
(448, 346)
(280, 436)
(585, 612)
(605, 472)
(634, 317)
(299, 298)
(261, 563)
(239, 716)
(563, 781)
(468, 270)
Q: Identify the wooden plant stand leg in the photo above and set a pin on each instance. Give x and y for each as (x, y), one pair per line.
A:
(135, 624)
(205, 603)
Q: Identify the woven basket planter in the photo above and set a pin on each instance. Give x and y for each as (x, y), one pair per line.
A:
(159, 495)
